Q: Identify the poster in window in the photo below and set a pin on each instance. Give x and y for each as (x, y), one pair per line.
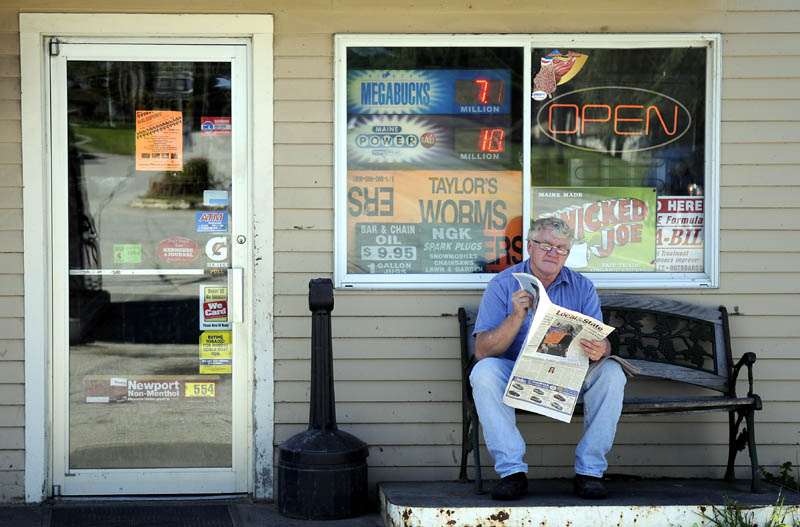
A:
(214, 307)
(159, 140)
(428, 91)
(433, 185)
(679, 239)
(403, 222)
(614, 227)
(216, 354)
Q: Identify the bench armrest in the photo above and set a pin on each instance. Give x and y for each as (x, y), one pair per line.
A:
(748, 359)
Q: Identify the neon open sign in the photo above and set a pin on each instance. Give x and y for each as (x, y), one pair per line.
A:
(640, 119)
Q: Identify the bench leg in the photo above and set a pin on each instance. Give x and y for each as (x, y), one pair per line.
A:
(737, 441)
(755, 485)
(476, 454)
(733, 448)
(466, 423)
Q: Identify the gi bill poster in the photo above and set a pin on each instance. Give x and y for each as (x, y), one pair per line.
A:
(214, 307)
(679, 239)
(216, 352)
(159, 140)
(615, 227)
(403, 222)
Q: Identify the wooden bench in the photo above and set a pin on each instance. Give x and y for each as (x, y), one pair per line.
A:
(666, 339)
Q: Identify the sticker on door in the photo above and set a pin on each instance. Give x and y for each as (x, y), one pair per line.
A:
(214, 307)
(215, 352)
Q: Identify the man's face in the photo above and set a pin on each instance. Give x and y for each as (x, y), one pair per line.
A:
(547, 264)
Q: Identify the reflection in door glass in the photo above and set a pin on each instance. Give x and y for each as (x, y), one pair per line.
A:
(150, 188)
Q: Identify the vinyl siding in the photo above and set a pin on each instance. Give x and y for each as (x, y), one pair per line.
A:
(397, 353)
(12, 376)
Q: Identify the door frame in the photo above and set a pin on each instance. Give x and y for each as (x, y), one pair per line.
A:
(36, 30)
(165, 480)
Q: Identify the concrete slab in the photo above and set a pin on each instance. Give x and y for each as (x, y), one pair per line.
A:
(631, 502)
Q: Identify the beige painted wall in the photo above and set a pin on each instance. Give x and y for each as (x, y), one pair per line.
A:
(12, 375)
(406, 343)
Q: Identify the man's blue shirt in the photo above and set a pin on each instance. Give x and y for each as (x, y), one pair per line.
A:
(570, 290)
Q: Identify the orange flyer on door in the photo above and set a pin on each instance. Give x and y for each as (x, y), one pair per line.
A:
(159, 140)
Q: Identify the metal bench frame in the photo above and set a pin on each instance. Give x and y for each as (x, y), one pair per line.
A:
(666, 339)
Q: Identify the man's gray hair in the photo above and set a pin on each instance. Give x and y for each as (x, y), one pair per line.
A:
(559, 227)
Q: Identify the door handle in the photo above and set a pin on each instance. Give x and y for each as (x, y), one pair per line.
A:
(236, 293)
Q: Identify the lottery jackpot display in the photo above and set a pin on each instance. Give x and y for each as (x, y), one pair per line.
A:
(434, 180)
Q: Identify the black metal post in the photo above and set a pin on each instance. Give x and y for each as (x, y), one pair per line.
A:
(322, 472)
(322, 412)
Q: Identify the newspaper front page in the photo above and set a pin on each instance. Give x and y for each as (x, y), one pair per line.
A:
(550, 369)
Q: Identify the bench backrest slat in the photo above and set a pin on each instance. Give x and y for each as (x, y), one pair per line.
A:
(665, 338)
(680, 373)
(663, 305)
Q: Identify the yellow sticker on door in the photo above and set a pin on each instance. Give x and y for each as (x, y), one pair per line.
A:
(216, 352)
(200, 389)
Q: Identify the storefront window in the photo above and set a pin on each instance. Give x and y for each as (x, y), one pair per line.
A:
(618, 150)
(434, 171)
(447, 147)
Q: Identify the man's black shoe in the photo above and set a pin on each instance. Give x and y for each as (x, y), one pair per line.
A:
(511, 487)
(589, 488)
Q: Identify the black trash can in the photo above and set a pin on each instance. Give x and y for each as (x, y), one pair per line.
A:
(322, 471)
(322, 475)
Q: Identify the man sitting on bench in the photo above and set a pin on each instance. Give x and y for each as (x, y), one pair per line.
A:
(501, 328)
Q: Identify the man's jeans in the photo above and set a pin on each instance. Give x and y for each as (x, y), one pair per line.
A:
(602, 397)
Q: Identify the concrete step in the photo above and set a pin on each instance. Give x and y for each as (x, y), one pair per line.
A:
(631, 502)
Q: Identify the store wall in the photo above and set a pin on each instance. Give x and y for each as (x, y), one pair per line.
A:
(12, 376)
(397, 366)
(396, 353)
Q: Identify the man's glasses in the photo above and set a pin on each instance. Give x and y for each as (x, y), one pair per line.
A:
(546, 247)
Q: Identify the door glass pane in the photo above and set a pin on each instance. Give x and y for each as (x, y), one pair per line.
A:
(150, 347)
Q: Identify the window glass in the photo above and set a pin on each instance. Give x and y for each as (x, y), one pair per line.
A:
(618, 146)
(447, 147)
(434, 161)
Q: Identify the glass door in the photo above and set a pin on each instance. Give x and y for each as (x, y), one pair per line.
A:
(149, 222)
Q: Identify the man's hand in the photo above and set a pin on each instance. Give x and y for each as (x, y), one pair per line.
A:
(596, 349)
(495, 342)
(522, 301)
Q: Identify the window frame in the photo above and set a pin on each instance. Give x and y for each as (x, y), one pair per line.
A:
(709, 278)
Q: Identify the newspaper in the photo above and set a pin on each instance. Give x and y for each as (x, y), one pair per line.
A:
(551, 366)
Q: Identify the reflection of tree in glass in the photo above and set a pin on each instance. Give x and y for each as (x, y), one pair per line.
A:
(187, 184)
(106, 95)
